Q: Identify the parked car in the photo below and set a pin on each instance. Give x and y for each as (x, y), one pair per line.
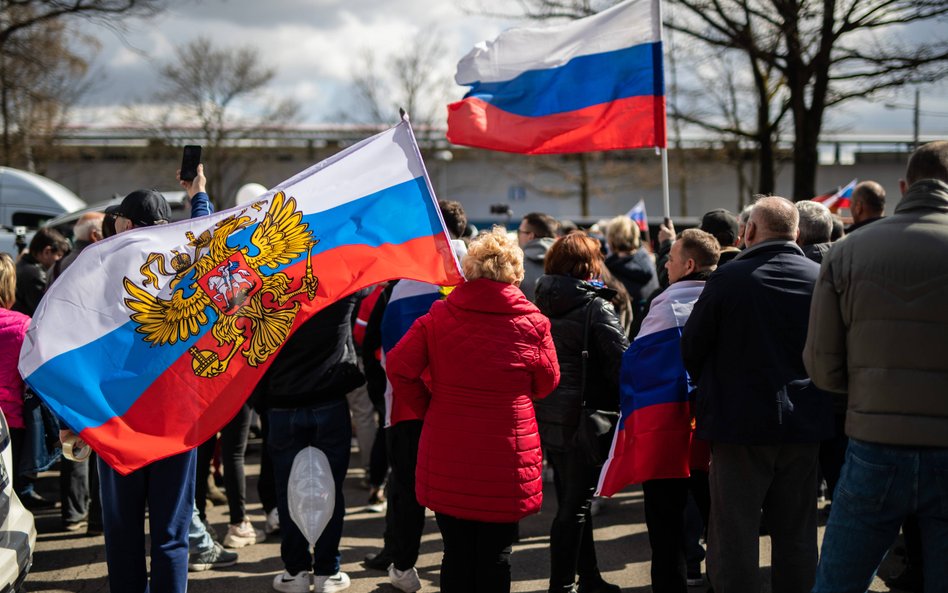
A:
(180, 210)
(17, 531)
(26, 202)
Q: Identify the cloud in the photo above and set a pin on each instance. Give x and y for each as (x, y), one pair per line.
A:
(314, 45)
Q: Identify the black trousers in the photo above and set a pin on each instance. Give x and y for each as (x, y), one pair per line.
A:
(404, 518)
(233, 440)
(79, 491)
(476, 555)
(266, 483)
(572, 550)
(665, 504)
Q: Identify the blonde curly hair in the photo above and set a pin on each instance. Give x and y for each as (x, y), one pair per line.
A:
(494, 255)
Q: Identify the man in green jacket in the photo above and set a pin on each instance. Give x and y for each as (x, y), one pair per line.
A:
(877, 332)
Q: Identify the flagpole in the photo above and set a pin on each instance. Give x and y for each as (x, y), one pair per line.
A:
(665, 199)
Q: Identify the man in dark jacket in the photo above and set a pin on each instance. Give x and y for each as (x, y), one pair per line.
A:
(877, 332)
(46, 248)
(305, 393)
(86, 231)
(726, 229)
(755, 403)
(535, 235)
(868, 205)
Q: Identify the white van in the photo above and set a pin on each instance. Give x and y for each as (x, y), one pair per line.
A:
(26, 202)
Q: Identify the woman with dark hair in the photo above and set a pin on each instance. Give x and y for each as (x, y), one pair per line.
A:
(472, 367)
(583, 322)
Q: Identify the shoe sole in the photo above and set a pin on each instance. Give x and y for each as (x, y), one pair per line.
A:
(235, 542)
(332, 588)
(201, 567)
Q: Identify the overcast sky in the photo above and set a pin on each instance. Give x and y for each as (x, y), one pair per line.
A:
(315, 45)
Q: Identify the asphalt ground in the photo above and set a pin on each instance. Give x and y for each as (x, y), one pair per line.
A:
(75, 562)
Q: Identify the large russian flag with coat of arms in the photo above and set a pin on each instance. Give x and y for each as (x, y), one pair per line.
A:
(152, 339)
(591, 84)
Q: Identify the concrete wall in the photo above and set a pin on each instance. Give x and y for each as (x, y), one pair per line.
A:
(479, 179)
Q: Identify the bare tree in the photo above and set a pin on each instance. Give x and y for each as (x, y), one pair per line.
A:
(41, 79)
(414, 80)
(204, 83)
(40, 76)
(17, 15)
(804, 57)
(825, 52)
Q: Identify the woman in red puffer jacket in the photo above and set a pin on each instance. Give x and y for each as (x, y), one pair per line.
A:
(489, 354)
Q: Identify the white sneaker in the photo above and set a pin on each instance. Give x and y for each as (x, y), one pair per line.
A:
(242, 535)
(287, 583)
(273, 522)
(330, 583)
(404, 580)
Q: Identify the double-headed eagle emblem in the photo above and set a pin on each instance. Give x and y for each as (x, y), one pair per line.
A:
(254, 301)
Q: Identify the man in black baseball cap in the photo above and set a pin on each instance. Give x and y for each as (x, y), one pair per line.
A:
(143, 207)
(723, 225)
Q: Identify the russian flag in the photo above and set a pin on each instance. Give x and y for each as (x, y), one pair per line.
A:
(590, 84)
(841, 198)
(639, 216)
(409, 300)
(654, 436)
(153, 338)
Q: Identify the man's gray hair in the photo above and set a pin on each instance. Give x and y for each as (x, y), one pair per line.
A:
(745, 214)
(87, 224)
(816, 223)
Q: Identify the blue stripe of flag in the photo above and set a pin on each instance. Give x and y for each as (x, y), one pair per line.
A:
(666, 380)
(582, 82)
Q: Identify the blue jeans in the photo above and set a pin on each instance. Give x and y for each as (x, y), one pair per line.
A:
(167, 488)
(328, 428)
(199, 540)
(878, 486)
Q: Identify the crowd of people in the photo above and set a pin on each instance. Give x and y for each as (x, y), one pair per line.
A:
(800, 353)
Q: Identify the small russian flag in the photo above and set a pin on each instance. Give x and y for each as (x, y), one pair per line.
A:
(638, 214)
(841, 198)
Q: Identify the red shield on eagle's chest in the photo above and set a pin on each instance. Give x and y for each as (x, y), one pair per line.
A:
(231, 283)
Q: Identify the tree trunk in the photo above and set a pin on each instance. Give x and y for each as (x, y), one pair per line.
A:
(767, 177)
(805, 161)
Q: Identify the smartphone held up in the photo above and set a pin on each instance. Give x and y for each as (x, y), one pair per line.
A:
(190, 161)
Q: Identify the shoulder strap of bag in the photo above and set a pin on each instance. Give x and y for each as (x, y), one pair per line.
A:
(585, 352)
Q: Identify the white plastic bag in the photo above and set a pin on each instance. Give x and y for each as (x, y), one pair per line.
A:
(311, 493)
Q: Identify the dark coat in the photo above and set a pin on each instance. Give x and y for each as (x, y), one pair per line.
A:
(743, 347)
(817, 251)
(30, 284)
(637, 274)
(317, 364)
(564, 300)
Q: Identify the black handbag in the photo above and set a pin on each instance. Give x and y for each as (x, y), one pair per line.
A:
(596, 427)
